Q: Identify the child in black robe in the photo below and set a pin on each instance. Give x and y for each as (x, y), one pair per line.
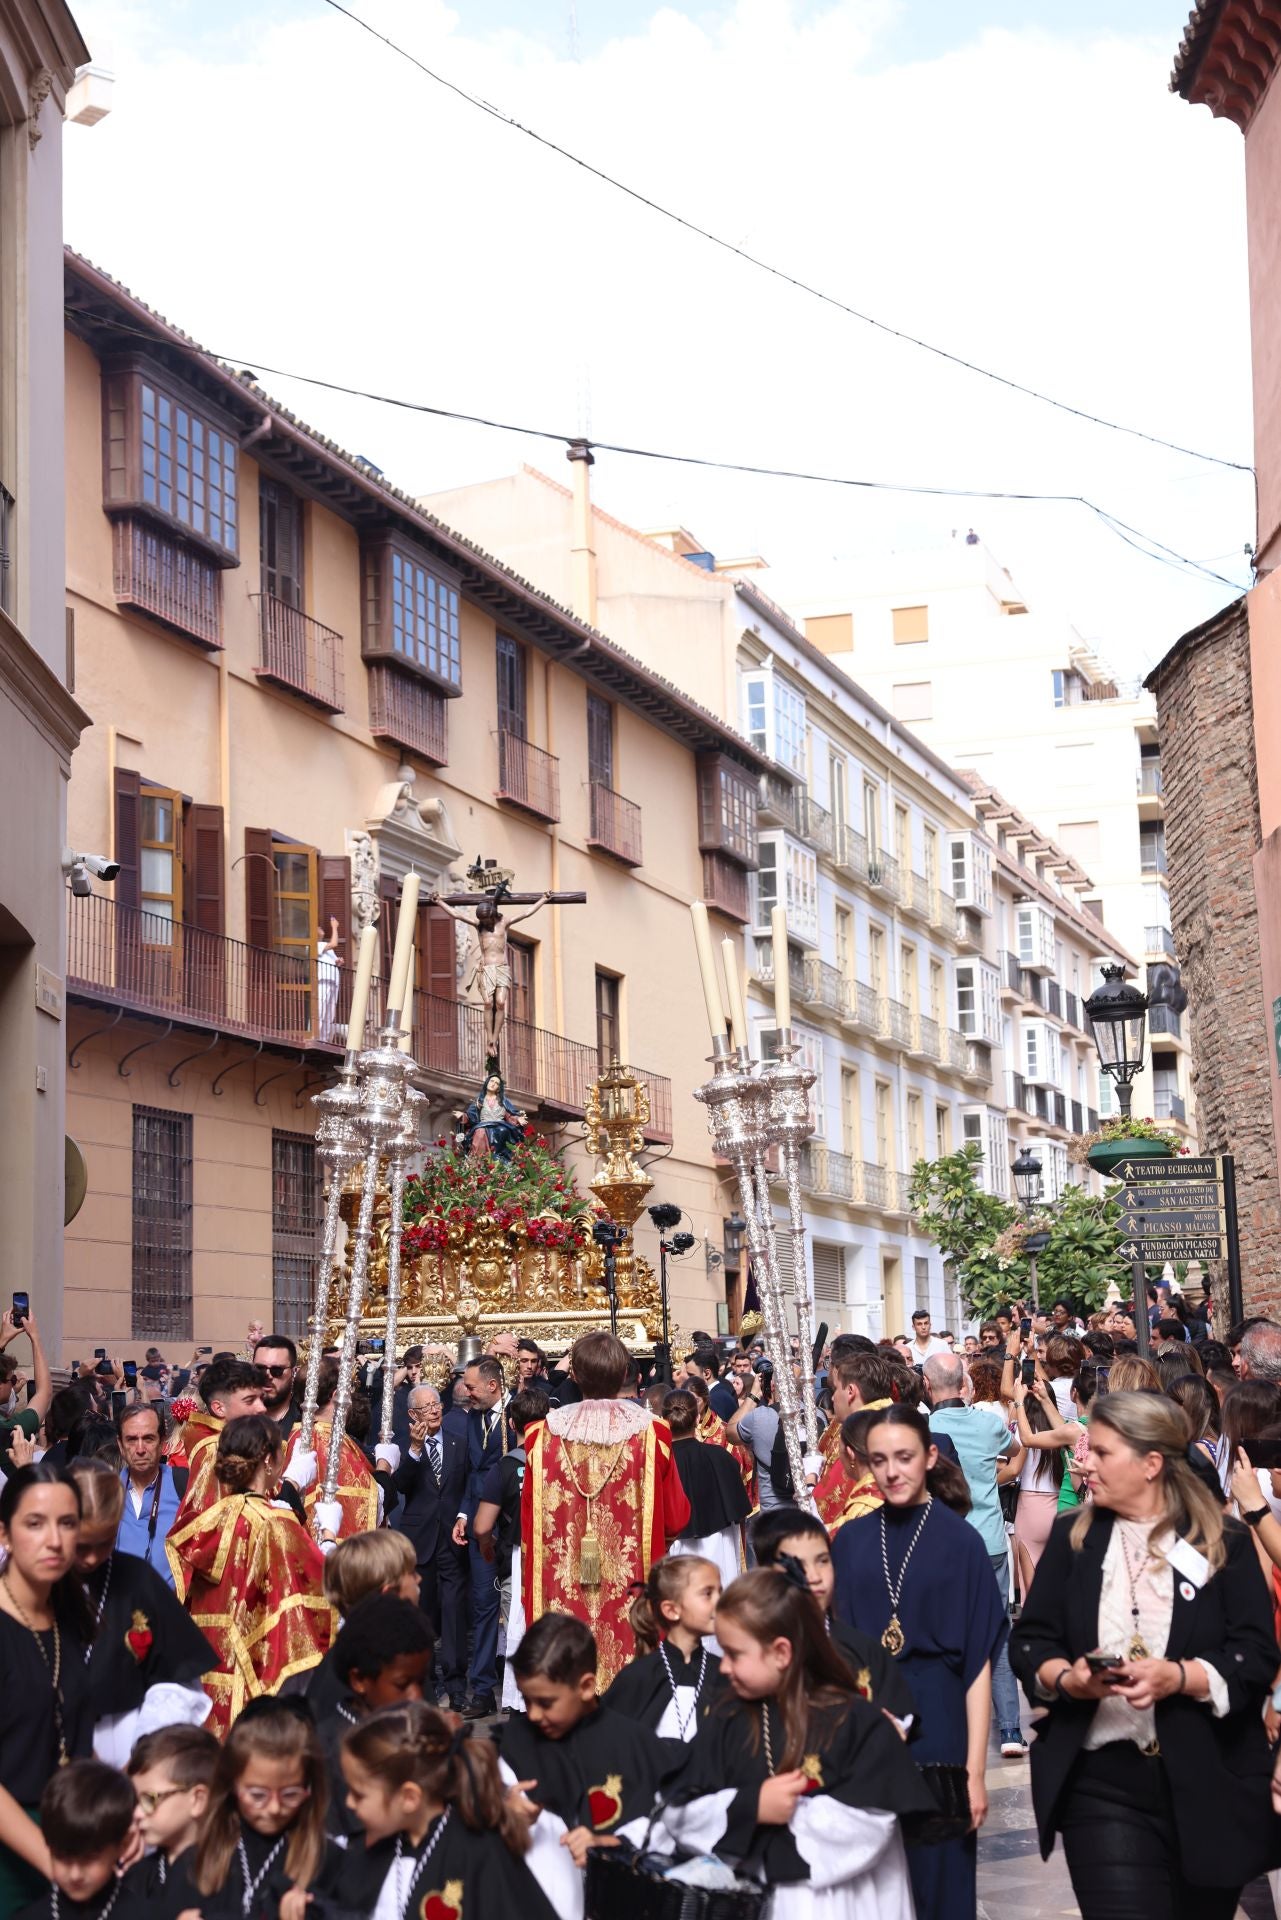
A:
(264, 1831)
(792, 1778)
(587, 1772)
(382, 1658)
(676, 1676)
(441, 1837)
(172, 1772)
(803, 1538)
(86, 1815)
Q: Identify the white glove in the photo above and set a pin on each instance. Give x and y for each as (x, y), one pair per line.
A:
(329, 1515)
(301, 1471)
(388, 1455)
(813, 1464)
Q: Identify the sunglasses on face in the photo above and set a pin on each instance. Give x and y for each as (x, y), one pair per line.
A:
(278, 1373)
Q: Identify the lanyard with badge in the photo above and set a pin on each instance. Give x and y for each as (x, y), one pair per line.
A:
(155, 1507)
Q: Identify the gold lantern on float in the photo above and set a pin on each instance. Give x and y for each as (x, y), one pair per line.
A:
(615, 1117)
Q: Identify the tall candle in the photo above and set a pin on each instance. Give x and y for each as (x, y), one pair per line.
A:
(782, 971)
(360, 989)
(406, 1040)
(399, 980)
(734, 992)
(707, 969)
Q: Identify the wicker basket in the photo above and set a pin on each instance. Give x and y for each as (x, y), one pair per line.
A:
(620, 1882)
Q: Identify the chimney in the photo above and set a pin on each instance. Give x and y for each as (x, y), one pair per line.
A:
(582, 550)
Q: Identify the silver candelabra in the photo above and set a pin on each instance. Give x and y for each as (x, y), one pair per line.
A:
(750, 1109)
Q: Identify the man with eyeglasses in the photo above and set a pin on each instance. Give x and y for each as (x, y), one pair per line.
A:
(277, 1355)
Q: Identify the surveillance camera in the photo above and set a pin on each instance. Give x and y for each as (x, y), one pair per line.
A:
(80, 881)
(99, 865)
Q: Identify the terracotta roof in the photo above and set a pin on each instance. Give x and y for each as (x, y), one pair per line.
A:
(989, 802)
(115, 321)
(1228, 54)
(1201, 23)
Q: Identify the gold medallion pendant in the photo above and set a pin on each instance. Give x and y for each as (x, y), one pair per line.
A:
(892, 1639)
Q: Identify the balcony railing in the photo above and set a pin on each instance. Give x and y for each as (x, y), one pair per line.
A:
(919, 897)
(660, 1103)
(781, 803)
(1017, 1092)
(726, 887)
(1152, 855)
(958, 1051)
(795, 968)
(1165, 1020)
(405, 709)
(297, 652)
(615, 825)
(1011, 973)
(849, 850)
(1150, 777)
(1078, 1117)
(1158, 940)
(527, 776)
(819, 828)
(1059, 1109)
(1071, 1008)
(883, 872)
(1054, 999)
(164, 577)
(980, 1064)
(122, 957)
(866, 1008)
(826, 1172)
(825, 986)
(927, 1038)
(900, 1027)
(1167, 1105)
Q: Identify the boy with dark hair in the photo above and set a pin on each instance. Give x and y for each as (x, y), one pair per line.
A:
(172, 1771)
(381, 1658)
(590, 1770)
(86, 1816)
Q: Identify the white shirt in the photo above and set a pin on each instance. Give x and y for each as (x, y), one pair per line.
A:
(932, 1346)
(1154, 1597)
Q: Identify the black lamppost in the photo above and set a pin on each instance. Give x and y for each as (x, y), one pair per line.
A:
(666, 1216)
(1027, 1185)
(1117, 1013)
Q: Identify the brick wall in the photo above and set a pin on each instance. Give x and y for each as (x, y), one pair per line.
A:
(1209, 780)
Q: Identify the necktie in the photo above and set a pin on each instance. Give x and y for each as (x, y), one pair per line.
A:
(433, 1454)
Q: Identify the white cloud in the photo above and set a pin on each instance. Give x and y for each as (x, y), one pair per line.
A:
(295, 195)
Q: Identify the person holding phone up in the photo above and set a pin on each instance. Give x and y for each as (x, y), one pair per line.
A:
(17, 1414)
(1147, 1641)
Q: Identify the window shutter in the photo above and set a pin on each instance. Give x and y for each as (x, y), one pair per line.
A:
(388, 919)
(260, 888)
(203, 865)
(128, 831)
(335, 902)
(829, 1277)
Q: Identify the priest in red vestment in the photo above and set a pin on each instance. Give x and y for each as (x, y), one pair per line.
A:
(858, 1381)
(357, 1490)
(252, 1575)
(600, 1502)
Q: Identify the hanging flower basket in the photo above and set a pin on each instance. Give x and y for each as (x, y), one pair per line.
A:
(1125, 1139)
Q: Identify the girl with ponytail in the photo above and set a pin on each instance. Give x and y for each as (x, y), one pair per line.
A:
(792, 1775)
(676, 1674)
(441, 1835)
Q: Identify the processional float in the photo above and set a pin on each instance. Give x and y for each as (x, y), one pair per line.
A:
(367, 1134)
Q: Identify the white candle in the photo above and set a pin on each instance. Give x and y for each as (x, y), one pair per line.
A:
(399, 980)
(406, 1040)
(734, 992)
(360, 989)
(707, 969)
(782, 973)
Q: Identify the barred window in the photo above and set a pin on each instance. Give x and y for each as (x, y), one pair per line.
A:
(161, 1308)
(295, 1229)
(188, 467)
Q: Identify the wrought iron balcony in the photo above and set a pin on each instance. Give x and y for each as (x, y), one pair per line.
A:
(826, 1172)
(958, 1051)
(1158, 940)
(1011, 974)
(1071, 1009)
(299, 653)
(825, 987)
(781, 803)
(883, 873)
(528, 777)
(405, 709)
(1054, 999)
(1168, 1105)
(866, 1009)
(615, 825)
(900, 1023)
(1165, 1020)
(849, 850)
(726, 887)
(660, 1103)
(926, 1039)
(166, 578)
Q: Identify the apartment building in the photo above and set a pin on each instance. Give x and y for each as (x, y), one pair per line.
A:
(947, 641)
(40, 720)
(900, 899)
(303, 688)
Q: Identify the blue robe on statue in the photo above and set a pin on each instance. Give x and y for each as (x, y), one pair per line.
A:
(953, 1618)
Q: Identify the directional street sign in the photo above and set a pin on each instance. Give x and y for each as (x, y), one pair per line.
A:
(1147, 1173)
(1172, 1209)
(1155, 1252)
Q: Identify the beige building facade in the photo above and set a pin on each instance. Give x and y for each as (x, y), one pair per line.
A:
(40, 719)
(305, 687)
(904, 901)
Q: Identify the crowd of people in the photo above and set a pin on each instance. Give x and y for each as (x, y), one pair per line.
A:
(574, 1626)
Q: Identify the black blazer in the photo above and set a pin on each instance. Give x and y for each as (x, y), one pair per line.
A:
(1218, 1770)
(467, 1425)
(427, 1512)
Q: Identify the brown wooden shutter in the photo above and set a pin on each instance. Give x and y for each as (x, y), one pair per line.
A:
(260, 888)
(439, 1045)
(205, 905)
(334, 875)
(128, 836)
(388, 918)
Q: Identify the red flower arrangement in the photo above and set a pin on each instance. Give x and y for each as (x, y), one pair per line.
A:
(527, 1196)
(182, 1408)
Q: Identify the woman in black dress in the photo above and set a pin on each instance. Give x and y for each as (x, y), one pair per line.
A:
(44, 1711)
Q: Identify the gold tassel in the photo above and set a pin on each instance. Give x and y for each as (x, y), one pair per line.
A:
(589, 1568)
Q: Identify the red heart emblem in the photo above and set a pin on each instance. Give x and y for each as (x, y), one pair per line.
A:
(436, 1907)
(139, 1644)
(604, 1804)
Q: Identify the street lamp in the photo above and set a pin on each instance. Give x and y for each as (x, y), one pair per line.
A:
(1117, 1013)
(1027, 1179)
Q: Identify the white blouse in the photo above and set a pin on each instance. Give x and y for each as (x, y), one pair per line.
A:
(1114, 1718)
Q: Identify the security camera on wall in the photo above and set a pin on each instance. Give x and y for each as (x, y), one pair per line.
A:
(82, 869)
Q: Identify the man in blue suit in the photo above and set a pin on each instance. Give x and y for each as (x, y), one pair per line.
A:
(482, 1425)
(430, 1481)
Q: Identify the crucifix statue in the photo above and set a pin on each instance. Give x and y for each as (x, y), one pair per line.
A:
(490, 967)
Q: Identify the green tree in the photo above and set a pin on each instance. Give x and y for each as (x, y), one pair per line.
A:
(982, 1237)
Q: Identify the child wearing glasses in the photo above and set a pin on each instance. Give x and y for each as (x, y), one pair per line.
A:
(172, 1772)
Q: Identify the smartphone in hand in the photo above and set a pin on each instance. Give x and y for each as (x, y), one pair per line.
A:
(21, 1308)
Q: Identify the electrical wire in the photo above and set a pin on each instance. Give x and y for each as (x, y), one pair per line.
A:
(1154, 549)
(780, 273)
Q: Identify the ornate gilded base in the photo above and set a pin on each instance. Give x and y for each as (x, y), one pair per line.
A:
(555, 1332)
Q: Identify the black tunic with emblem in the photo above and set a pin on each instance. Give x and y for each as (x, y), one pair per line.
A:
(143, 1635)
(463, 1876)
(603, 1773)
(643, 1692)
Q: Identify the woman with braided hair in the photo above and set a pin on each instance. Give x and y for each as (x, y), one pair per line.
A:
(442, 1838)
(252, 1574)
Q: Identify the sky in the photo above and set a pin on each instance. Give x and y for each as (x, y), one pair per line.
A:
(1010, 179)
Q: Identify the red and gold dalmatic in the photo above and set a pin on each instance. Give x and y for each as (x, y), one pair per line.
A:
(200, 1444)
(837, 1497)
(711, 1431)
(357, 1490)
(601, 1499)
(253, 1579)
